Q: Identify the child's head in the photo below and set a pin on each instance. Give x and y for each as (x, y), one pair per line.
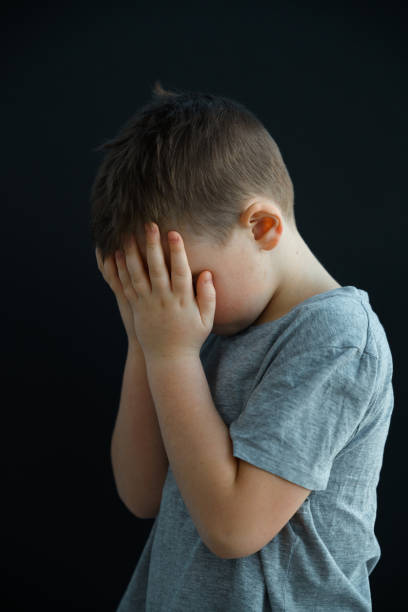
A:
(205, 166)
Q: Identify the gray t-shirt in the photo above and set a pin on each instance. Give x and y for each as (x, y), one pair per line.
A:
(308, 397)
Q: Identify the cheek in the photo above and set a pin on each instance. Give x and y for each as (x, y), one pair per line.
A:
(225, 297)
(230, 292)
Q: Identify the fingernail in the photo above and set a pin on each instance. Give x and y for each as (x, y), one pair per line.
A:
(173, 237)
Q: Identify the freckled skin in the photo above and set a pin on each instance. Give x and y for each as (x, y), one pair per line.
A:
(263, 272)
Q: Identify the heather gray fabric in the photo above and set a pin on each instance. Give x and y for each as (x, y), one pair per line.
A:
(308, 397)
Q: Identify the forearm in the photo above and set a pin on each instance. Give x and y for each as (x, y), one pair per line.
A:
(197, 441)
(139, 459)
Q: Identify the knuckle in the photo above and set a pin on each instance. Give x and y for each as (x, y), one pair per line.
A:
(151, 244)
(128, 290)
(180, 274)
(136, 281)
(156, 274)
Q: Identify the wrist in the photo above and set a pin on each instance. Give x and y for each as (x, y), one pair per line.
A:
(134, 347)
(164, 359)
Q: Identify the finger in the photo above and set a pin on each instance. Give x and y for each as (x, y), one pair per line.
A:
(109, 272)
(99, 259)
(206, 298)
(181, 277)
(159, 275)
(105, 267)
(134, 272)
(124, 276)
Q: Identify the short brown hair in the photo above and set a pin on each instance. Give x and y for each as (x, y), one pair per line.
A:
(187, 161)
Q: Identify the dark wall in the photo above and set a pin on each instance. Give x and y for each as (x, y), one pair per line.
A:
(328, 80)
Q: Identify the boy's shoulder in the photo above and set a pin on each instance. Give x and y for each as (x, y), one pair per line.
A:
(341, 319)
(338, 319)
(348, 319)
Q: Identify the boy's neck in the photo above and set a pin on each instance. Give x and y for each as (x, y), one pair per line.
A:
(303, 278)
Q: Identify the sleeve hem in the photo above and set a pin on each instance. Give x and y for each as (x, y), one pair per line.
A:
(280, 468)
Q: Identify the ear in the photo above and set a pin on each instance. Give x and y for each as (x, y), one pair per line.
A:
(268, 230)
(263, 217)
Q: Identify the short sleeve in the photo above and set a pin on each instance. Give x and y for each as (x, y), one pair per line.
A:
(303, 411)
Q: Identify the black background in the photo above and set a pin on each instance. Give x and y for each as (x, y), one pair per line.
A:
(329, 81)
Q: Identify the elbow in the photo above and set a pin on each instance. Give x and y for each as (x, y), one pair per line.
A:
(224, 537)
(129, 507)
(224, 551)
(224, 546)
(227, 552)
(218, 551)
(237, 544)
(146, 513)
(213, 543)
(234, 552)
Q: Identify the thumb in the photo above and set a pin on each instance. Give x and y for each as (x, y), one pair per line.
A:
(206, 298)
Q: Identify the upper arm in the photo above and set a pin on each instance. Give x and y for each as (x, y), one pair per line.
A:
(262, 503)
(300, 415)
(304, 409)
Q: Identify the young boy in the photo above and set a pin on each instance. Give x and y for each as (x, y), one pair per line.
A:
(255, 407)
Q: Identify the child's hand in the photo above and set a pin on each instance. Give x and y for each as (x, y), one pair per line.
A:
(109, 272)
(169, 320)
